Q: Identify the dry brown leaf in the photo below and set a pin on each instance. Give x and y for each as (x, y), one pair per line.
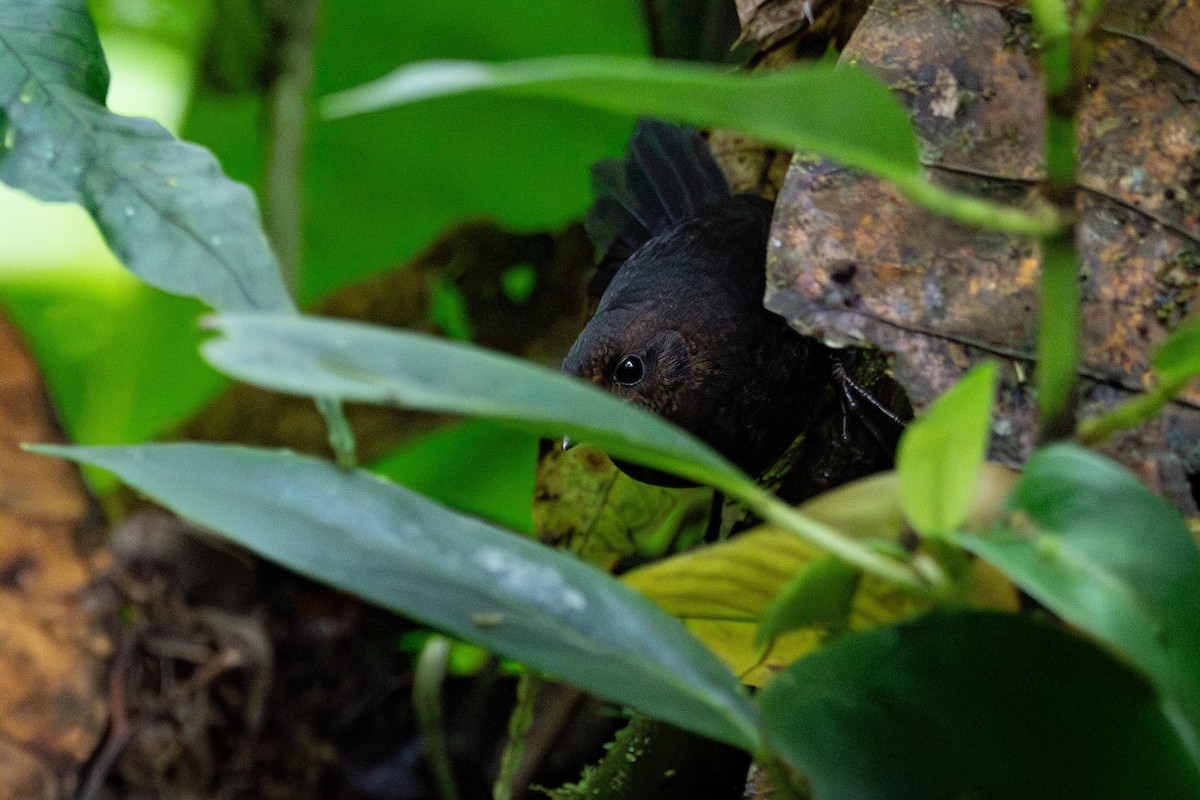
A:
(854, 262)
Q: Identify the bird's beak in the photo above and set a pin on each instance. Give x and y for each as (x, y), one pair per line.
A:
(567, 444)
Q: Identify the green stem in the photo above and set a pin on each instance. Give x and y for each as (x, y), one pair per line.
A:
(1130, 414)
(529, 686)
(428, 677)
(1058, 337)
(859, 554)
(286, 100)
(781, 779)
(1043, 220)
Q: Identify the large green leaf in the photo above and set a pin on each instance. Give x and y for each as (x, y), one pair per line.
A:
(360, 363)
(942, 451)
(973, 704)
(164, 206)
(1096, 547)
(379, 189)
(349, 361)
(803, 108)
(395, 548)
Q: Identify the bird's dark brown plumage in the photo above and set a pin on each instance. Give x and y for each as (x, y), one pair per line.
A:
(680, 327)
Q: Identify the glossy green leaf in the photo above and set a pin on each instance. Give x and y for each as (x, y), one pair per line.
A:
(942, 452)
(395, 548)
(350, 361)
(973, 705)
(1097, 548)
(164, 206)
(376, 365)
(802, 108)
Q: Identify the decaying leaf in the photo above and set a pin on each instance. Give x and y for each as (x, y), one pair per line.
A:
(773, 24)
(852, 262)
(585, 505)
(52, 648)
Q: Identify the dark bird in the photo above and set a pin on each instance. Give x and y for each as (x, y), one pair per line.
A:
(680, 327)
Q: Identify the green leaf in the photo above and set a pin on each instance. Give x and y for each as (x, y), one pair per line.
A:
(393, 547)
(1099, 549)
(801, 108)
(970, 704)
(164, 206)
(475, 466)
(356, 362)
(878, 135)
(349, 361)
(820, 594)
(369, 203)
(1177, 358)
(941, 453)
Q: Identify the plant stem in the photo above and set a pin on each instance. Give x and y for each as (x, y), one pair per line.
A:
(529, 686)
(428, 677)
(287, 124)
(781, 780)
(1058, 338)
(861, 555)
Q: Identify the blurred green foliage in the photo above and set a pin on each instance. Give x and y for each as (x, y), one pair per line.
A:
(120, 358)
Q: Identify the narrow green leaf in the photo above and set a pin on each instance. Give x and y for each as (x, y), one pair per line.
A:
(877, 135)
(1177, 358)
(802, 108)
(356, 362)
(395, 548)
(349, 361)
(970, 704)
(1099, 549)
(941, 453)
(164, 206)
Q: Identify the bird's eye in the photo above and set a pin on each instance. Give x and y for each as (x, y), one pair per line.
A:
(630, 371)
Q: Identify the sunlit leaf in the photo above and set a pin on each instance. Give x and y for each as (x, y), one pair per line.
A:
(942, 451)
(1096, 547)
(973, 704)
(723, 591)
(360, 363)
(164, 206)
(395, 548)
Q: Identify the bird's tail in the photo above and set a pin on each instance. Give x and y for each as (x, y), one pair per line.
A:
(665, 178)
